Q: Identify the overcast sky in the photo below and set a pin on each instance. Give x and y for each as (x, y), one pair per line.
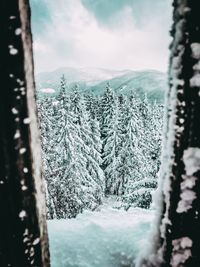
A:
(114, 34)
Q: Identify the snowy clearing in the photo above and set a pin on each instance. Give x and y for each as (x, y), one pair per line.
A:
(48, 90)
(105, 238)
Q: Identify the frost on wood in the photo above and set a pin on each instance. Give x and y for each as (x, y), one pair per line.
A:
(186, 199)
(195, 47)
(191, 159)
(181, 251)
(19, 170)
(34, 137)
(178, 223)
(195, 80)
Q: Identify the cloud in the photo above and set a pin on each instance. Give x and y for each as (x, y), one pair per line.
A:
(74, 36)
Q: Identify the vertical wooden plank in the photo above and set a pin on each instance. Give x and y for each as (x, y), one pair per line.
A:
(178, 236)
(23, 232)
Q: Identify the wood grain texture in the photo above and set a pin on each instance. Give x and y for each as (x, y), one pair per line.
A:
(23, 232)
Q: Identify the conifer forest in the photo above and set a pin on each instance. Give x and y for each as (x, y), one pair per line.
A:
(98, 146)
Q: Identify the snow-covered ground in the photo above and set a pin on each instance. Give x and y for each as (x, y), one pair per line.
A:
(105, 238)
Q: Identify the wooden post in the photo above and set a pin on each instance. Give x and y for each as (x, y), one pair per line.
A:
(23, 232)
(177, 241)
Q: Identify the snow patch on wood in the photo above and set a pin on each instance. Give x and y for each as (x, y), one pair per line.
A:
(191, 159)
(22, 214)
(181, 251)
(195, 80)
(187, 198)
(195, 47)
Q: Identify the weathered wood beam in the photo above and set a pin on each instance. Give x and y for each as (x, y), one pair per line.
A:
(23, 231)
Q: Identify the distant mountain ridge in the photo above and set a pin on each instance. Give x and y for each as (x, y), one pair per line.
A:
(150, 82)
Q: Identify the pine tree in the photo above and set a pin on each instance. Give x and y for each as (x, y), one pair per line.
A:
(91, 151)
(92, 106)
(47, 127)
(106, 111)
(112, 144)
(83, 179)
(149, 125)
(132, 157)
(71, 154)
(150, 145)
(155, 127)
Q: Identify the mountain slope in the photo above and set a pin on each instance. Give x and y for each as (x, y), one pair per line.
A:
(153, 83)
(150, 82)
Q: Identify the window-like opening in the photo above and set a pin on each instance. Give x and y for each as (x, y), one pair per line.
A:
(101, 81)
(23, 233)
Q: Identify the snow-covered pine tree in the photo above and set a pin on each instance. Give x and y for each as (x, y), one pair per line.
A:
(123, 169)
(112, 145)
(92, 106)
(60, 138)
(176, 243)
(149, 126)
(150, 145)
(133, 165)
(62, 95)
(106, 110)
(89, 134)
(95, 141)
(52, 113)
(71, 154)
(155, 126)
(45, 115)
(82, 179)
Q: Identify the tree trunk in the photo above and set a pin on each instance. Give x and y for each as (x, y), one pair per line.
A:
(23, 232)
(177, 242)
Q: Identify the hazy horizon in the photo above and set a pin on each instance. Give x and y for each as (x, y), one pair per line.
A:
(99, 68)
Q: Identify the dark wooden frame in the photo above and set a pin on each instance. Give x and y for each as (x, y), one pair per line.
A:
(176, 242)
(23, 231)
